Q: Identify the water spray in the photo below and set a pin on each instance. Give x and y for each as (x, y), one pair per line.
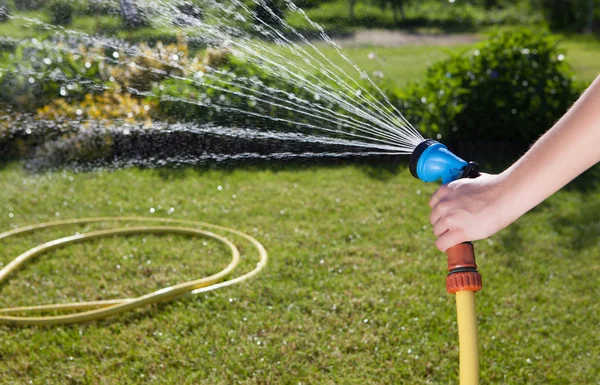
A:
(430, 162)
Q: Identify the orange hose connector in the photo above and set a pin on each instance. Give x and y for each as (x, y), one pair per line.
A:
(462, 269)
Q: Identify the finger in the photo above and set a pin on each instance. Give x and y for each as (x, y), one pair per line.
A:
(438, 196)
(440, 228)
(449, 239)
(439, 211)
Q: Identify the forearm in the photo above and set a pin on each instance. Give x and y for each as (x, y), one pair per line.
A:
(568, 149)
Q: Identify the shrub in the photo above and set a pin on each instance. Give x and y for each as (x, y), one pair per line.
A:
(103, 7)
(41, 71)
(207, 99)
(108, 106)
(511, 88)
(133, 16)
(61, 12)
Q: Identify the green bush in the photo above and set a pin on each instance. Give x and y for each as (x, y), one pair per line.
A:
(61, 12)
(103, 7)
(512, 88)
(38, 74)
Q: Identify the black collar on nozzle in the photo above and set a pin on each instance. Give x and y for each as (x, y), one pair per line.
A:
(416, 155)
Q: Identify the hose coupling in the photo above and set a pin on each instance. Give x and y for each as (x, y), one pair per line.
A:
(462, 269)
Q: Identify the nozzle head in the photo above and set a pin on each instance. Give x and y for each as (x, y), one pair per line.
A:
(431, 161)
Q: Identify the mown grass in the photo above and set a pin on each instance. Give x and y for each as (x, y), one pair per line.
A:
(353, 292)
(400, 65)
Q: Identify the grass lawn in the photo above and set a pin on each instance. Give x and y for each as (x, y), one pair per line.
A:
(400, 65)
(353, 292)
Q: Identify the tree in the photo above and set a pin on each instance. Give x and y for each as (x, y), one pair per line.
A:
(352, 6)
(397, 7)
(590, 20)
(570, 15)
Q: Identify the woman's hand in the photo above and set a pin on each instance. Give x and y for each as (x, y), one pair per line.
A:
(470, 209)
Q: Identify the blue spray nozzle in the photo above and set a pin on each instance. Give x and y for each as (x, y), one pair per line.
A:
(431, 161)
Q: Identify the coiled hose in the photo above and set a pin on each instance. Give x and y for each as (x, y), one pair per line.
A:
(94, 310)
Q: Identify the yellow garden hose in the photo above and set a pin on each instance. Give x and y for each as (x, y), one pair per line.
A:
(467, 338)
(464, 280)
(94, 310)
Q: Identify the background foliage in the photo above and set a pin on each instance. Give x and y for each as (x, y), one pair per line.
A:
(511, 88)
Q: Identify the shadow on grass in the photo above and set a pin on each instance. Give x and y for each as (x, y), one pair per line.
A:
(513, 243)
(375, 167)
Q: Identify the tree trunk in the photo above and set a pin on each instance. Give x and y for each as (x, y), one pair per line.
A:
(590, 21)
(401, 8)
(352, 5)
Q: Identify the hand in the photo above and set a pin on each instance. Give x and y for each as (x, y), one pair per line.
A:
(470, 209)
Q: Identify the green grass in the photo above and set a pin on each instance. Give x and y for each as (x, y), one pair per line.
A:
(583, 54)
(400, 65)
(353, 292)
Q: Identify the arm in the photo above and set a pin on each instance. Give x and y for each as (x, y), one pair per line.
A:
(472, 209)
